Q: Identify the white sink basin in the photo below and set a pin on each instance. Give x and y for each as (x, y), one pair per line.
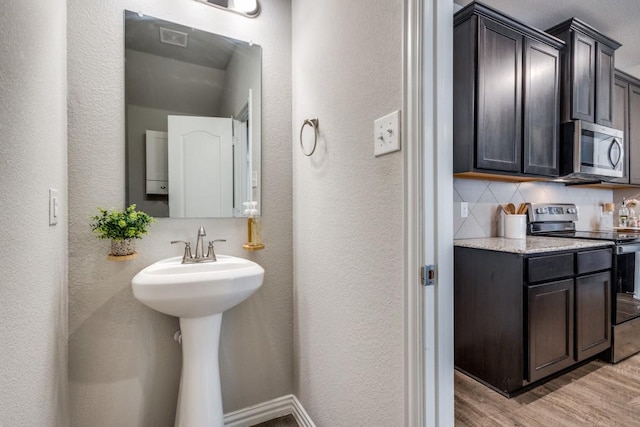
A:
(198, 294)
(197, 290)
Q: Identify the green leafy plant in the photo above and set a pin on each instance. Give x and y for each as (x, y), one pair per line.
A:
(119, 225)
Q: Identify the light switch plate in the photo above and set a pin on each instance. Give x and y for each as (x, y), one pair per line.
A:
(54, 207)
(386, 134)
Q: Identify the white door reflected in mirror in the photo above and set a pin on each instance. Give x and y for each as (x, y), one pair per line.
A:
(200, 167)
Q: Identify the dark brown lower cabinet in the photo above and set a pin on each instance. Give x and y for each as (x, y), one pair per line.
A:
(521, 318)
(550, 324)
(593, 314)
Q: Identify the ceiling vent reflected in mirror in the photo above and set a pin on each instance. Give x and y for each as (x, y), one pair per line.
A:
(248, 8)
(173, 37)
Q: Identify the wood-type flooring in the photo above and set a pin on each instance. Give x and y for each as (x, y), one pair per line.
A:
(595, 394)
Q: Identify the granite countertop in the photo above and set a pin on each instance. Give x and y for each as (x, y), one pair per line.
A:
(530, 245)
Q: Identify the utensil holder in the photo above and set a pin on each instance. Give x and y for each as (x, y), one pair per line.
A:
(515, 226)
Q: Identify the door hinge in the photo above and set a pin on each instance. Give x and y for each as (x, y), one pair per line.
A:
(428, 275)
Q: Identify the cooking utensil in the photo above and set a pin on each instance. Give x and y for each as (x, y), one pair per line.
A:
(522, 209)
(511, 208)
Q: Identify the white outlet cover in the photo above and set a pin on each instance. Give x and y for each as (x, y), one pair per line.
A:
(464, 209)
(386, 134)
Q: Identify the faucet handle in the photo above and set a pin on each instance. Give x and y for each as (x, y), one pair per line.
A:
(210, 252)
(187, 249)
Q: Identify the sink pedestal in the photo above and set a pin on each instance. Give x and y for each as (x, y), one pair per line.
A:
(200, 396)
(198, 294)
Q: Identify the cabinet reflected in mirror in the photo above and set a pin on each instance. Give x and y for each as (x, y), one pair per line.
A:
(193, 114)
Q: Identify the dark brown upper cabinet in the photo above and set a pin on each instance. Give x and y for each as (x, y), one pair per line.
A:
(621, 119)
(506, 95)
(626, 116)
(499, 97)
(633, 135)
(587, 73)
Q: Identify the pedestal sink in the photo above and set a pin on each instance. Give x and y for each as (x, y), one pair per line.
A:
(198, 294)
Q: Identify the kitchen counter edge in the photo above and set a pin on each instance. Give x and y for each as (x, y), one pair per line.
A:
(530, 245)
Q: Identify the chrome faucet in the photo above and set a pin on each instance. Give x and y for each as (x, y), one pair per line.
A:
(187, 258)
(199, 243)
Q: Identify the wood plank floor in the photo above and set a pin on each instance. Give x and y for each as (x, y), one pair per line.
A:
(596, 394)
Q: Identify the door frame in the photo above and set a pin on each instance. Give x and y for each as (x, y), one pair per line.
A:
(428, 208)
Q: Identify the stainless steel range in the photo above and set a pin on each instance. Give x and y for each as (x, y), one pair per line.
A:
(558, 220)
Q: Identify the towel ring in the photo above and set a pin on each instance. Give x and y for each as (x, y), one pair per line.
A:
(314, 124)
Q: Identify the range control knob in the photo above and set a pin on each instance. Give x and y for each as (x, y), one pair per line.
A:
(572, 210)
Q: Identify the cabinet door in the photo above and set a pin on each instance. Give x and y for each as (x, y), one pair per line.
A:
(550, 327)
(541, 109)
(593, 319)
(633, 137)
(604, 85)
(621, 121)
(499, 121)
(584, 83)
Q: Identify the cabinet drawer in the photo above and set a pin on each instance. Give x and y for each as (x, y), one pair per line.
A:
(549, 267)
(594, 261)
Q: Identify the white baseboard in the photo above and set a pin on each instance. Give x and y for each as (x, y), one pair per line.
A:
(266, 411)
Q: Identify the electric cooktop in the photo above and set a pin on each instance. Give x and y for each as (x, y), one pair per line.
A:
(559, 219)
(612, 236)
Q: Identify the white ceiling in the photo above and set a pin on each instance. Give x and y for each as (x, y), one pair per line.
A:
(142, 33)
(618, 19)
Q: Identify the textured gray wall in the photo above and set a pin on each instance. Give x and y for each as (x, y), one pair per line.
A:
(33, 255)
(124, 365)
(348, 305)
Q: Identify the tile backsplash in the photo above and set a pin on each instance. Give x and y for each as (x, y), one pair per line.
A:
(485, 197)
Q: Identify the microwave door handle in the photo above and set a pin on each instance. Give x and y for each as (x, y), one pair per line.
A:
(614, 142)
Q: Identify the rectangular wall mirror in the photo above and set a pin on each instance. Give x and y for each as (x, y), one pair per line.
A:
(193, 120)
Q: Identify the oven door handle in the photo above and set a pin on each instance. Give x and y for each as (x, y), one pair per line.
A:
(627, 249)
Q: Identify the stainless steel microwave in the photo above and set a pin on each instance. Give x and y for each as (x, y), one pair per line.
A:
(591, 151)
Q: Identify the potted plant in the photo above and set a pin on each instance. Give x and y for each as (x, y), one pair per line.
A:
(122, 227)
